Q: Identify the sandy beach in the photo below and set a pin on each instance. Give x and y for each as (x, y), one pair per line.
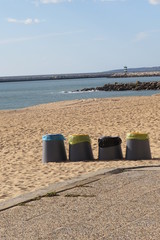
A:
(21, 131)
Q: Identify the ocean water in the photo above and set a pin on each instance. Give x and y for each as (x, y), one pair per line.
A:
(17, 95)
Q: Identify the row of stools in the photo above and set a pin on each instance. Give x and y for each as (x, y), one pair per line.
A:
(109, 148)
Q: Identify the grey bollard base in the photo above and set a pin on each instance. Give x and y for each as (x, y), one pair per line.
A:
(53, 151)
(110, 153)
(138, 149)
(80, 151)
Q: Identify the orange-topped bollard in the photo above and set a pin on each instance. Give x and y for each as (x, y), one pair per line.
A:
(138, 147)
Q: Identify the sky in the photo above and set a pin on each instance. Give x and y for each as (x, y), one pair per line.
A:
(77, 36)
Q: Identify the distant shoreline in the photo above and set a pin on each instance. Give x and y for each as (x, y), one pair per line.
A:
(78, 76)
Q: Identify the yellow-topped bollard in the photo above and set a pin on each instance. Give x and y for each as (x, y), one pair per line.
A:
(78, 138)
(137, 135)
(80, 147)
(138, 146)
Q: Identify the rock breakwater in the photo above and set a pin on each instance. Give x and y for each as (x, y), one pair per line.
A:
(137, 86)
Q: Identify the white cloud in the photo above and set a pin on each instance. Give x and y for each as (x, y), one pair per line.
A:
(37, 2)
(141, 36)
(25, 21)
(54, 1)
(36, 20)
(154, 2)
(29, 38)
(100, 39)
(112, 0)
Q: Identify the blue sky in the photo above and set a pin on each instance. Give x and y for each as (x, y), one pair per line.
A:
(71, 36)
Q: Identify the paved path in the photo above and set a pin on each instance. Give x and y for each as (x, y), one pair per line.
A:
(117, 205)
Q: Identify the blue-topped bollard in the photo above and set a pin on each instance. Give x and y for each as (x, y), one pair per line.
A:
(53, 148)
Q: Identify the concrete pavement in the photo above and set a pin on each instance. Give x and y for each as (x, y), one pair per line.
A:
(116, 204)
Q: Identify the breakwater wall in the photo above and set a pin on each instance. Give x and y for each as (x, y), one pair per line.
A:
(137, 86)
(77, 75)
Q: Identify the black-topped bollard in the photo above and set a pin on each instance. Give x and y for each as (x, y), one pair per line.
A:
(53, 148)
(80, 148)
(109, 148)
(138, 147)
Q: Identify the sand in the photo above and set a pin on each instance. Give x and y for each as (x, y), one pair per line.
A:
(21, 131)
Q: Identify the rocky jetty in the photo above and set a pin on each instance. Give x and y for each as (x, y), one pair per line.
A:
(137, 86)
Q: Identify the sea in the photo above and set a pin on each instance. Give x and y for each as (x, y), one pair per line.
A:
(16, 95)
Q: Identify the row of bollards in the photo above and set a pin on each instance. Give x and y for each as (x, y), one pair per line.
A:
(137, 148)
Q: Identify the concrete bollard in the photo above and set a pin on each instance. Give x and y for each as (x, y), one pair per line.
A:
(80, 148)
(138, 146)
(109, 148)
(53, 148)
